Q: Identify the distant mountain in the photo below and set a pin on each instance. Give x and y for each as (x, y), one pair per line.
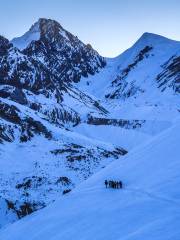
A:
(61, 52)
(151, 64)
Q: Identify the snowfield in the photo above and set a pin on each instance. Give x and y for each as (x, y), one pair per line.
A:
(146, 208)
(127, 138)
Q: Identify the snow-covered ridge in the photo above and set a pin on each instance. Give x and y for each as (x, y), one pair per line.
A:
(138, 69)
(32, 35)
(42, 26)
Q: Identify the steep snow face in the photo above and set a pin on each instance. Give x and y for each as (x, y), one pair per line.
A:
(32, 35)
(147, 207)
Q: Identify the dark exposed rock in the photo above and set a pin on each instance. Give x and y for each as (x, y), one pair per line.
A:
(27, 126)
(122, 88)
(4, 46)
(128, 124)
(46, 67)
(10, 113)
(30, 182)
(64, 181)
(61, 116)
(14, 94)
(64, 54)
(170, 76)
(78, 153)
(6, 133)
(25, 208)
(66, 191)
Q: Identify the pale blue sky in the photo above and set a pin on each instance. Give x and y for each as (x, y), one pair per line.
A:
(111, 26)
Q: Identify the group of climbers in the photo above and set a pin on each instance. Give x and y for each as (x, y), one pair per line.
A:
(113, 184)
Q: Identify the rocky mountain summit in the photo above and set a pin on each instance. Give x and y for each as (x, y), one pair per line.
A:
(60, 51)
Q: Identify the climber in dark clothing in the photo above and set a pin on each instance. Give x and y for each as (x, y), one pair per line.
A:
(106, 183)
(120, 184)
(113, 184)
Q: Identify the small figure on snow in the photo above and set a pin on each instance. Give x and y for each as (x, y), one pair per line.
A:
(113, 184)
(120, 184)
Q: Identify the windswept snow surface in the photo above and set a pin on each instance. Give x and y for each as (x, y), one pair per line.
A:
(127, 138)
(148, 207)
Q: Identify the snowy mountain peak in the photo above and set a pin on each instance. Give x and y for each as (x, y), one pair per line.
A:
(148, 35)
(52, 30)
(32, 35)
(48, 26)
(43, 28)
(153, 39)
(62, 52)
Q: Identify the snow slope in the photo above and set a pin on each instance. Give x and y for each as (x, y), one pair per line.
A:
(141, 83)
(32, 35)
(139, 67)
(142, 72)
(146, 208)
(127, 138)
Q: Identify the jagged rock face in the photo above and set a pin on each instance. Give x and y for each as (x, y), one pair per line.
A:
(26, 126)
(4, 46)
(123, 88)
(20, 71)
(127, 124)
(48, 64)
(64, 54)
(24, 77)
(170, 76)
(52, 59)
(147, 69)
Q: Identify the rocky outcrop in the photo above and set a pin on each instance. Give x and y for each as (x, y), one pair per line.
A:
(170, 75)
